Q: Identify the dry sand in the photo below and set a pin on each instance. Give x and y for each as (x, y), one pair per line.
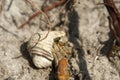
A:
(87, 27)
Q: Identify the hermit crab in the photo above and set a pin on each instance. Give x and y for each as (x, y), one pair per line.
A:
(44, 51)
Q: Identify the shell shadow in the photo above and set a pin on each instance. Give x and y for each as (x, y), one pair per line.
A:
(25, 54)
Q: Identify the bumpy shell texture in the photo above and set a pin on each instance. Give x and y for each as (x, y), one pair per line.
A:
(41, 50)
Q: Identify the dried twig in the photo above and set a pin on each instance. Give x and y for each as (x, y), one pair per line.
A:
(63, 72)
(114, 19)
(44, 10)
(114, 23)
(48, 21)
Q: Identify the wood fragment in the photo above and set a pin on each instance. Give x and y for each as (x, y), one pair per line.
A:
(114, 18)
(63, 71)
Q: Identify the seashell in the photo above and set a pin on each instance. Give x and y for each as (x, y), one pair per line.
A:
(41, 49)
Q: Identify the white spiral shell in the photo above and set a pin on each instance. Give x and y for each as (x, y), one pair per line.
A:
(41, 50)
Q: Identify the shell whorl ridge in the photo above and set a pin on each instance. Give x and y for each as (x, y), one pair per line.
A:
(41, 50)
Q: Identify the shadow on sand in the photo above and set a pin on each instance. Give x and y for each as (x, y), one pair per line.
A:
(25, 54)
(74, 35)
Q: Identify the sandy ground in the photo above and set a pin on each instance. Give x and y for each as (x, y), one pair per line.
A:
(87, 27)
